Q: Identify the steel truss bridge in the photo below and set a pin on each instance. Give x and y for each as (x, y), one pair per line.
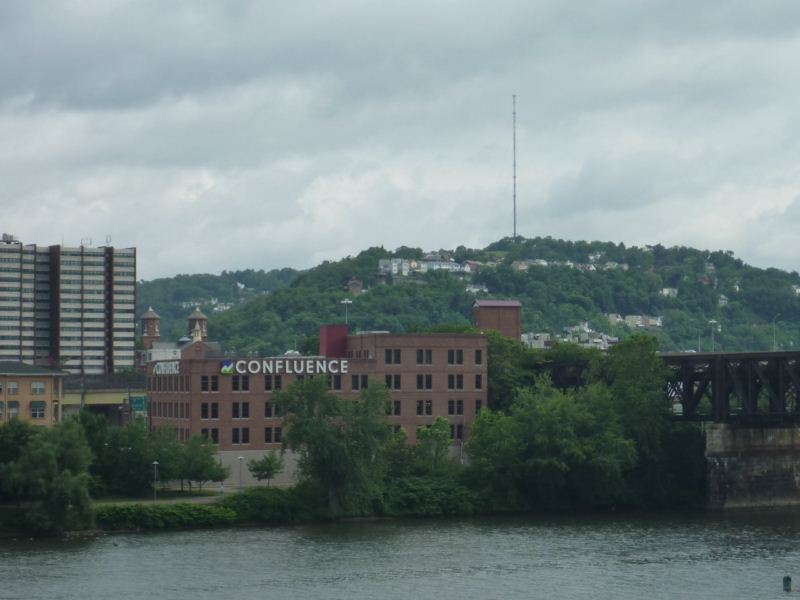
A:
(744, 387)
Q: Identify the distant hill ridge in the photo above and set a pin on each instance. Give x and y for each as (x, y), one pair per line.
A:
(560, 284)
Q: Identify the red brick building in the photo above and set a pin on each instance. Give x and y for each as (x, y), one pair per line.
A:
(504, 316)
(231, 399)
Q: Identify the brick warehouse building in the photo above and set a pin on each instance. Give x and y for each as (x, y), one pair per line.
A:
(230, 399)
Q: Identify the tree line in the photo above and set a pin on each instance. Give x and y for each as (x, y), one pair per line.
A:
(286, 307)
(48, 476)
(603, 438)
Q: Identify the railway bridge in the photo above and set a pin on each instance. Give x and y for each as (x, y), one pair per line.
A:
(736, 387)
(751, 401)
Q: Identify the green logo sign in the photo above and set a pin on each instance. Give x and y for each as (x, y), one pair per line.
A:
(226, 367)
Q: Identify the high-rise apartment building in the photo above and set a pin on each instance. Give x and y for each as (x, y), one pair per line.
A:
(67, 307)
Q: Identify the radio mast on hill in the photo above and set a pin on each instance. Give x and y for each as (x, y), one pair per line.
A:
(514, 165)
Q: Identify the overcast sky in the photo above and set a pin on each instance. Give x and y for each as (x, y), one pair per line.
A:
(236, 134)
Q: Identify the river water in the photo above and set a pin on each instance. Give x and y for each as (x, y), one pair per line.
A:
(627, 556)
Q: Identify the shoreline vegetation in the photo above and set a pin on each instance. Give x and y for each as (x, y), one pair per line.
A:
(570, 431)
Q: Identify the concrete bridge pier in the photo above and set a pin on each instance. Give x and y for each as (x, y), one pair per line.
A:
(752, 466)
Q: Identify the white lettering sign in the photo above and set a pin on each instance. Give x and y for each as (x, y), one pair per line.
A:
(172, 367)
(288, 366)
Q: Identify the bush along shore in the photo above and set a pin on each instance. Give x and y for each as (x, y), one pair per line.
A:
(594, 434)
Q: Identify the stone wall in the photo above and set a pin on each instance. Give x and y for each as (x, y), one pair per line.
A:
(752, 467)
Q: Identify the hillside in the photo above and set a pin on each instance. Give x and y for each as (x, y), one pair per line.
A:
(559, 283)
(174, 297)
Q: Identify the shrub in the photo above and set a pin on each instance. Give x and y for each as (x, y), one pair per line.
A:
(430, 496)
(162, 516)
(275, 505)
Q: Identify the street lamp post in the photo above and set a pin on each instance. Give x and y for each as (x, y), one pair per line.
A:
(155, 479)
(713, 324)
(774, 336)
(347, 302)
(241, 460)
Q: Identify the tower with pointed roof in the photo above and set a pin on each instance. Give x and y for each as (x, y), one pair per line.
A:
(197, 320)
(151, 328)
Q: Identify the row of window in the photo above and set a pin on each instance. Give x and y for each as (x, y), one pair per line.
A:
(274, 435)
(455, 356)
(241, 383)
(241, 435)
(12, 388)
(239, 410)
(37, 409)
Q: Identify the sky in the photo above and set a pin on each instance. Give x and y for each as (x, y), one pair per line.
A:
(253, 134)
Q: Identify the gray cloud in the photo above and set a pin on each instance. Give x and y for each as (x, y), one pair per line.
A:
(220, 135)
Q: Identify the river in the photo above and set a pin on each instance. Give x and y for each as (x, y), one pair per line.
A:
(619, 557)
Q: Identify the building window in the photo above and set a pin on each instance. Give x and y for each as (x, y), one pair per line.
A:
(240, 383)
(267, 410)
(235, 410)
(392, 356)
(455, 357)
(245, 410)
(478, 382)
(13, 409)
(396, 408)
(215, 435)
(245, 435)
(278, 435)
(424, 356)
(392, 381)
(359, 382)
(267, 435)
(334, 382)
(214, 410)
(204, 383)
(396, 429)
(215, 383)
(204, 410)
(419, 407)
(37, 388)
(37, 409)
(235, 435)
(478, 357)
(13, 390)
(278, 382)
(455, 382)
(478, 406)
(457, 432)
(428, 407)
(424, 381)
(267, 383)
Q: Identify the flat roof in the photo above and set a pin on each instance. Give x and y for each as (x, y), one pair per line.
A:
(498, 303)
(12, 367)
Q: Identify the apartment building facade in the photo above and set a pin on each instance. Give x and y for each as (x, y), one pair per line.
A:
(71, 308)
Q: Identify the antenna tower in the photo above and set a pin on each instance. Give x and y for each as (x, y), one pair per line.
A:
(514, 138)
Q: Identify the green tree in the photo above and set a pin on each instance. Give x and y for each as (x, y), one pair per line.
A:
(340, 442)
(125, 460)
(554, 449)
(169, 452)
(200, 462)
(266, 467)
(432, 450)
(49, 479)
